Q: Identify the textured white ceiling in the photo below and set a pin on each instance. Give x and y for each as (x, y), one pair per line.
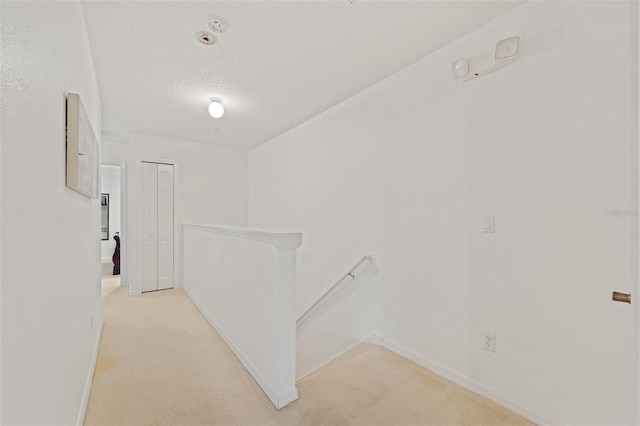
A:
(279, 64)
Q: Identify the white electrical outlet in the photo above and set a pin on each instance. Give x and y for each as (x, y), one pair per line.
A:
(489, 342)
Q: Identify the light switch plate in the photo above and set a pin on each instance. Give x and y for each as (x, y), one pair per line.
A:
(488, 224)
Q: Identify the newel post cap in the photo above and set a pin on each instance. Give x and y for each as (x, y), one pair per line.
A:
(288, 241)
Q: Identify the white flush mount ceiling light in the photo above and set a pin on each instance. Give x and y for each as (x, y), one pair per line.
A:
(216, 110)
(217, 24)
(506, 51)
(460, 68)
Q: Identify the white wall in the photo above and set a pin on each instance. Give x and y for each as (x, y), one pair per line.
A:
(210, 187)
(114, 152)
(110, 184)
(50, 234)
(244, 282)
(543, 282)
(545, 146)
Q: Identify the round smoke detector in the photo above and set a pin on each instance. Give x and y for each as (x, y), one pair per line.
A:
(217, 24)
(206, 38)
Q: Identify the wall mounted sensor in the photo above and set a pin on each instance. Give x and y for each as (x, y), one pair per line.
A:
(460, 68)
(506, 51)
(507, 48)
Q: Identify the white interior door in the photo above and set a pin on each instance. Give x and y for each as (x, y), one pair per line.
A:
(165, 226)
(149, 226)
(157, 226)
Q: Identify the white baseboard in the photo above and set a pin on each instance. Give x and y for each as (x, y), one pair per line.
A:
(469, 384)
(374, 338)
(282, 399)
(89, 381)
(279, 399)
(286, 397)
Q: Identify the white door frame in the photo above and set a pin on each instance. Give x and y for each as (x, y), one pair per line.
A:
(124, 236)
(123, 221)
(635, 200)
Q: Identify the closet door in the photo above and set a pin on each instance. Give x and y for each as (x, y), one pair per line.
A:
(157, 226)
(149, 224)
(165, 226)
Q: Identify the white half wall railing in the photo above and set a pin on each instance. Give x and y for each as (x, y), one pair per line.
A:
(244, 282)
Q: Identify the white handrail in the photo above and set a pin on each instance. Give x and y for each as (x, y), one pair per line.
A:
(351, 274)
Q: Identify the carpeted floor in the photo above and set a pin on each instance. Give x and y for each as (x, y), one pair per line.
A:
(161, 363)
(109, 285)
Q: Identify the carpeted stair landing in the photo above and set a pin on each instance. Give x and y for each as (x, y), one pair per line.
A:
(161, 363)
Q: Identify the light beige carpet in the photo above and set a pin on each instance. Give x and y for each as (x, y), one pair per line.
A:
(161, 363)
(107, 269)
(109, 285)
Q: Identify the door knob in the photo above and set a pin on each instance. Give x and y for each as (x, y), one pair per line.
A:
(621, 297)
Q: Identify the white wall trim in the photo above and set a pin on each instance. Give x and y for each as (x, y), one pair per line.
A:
(635, 198)
(280, 400)
(468, 383)
(124, 224)
(89, 382)
(373, 338)
(282, 240)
